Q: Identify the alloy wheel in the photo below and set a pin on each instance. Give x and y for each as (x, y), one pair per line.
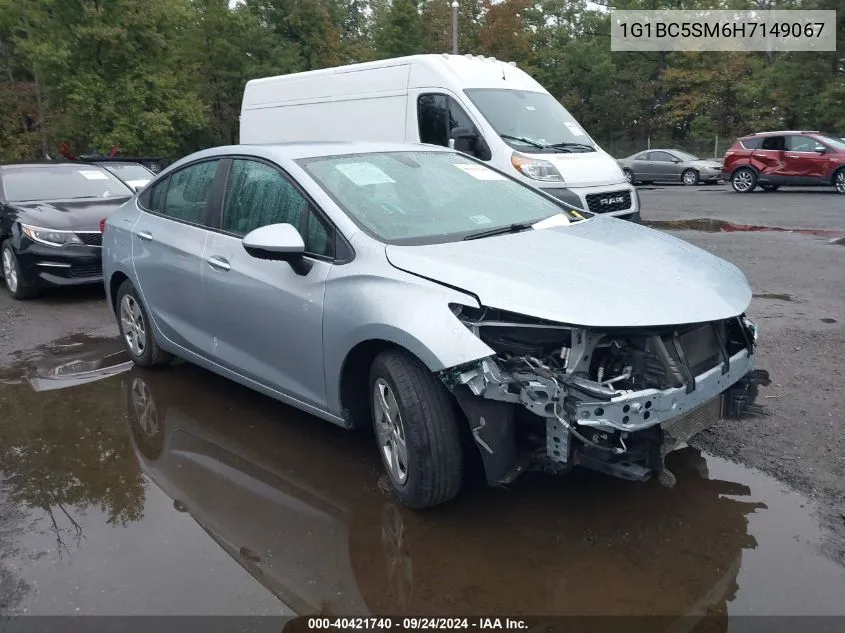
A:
(390, 431)
(742, 180)
(629, 176)
(132, 324)
(10, 270)
(689, 178)
(840, 181)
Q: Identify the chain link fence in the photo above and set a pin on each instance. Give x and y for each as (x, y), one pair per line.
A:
(623, 146)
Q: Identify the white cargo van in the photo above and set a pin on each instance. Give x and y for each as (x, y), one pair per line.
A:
(482, 106)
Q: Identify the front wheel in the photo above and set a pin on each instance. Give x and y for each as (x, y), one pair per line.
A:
(839, 180)
(690, 177)
(417, 430)
(135, 329)
(15, 283)
(744, 180)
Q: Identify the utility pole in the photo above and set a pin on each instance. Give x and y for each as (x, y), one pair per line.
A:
(455, 6)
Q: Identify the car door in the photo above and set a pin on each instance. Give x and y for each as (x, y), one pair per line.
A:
(639, 165)
(769, 159)
(664, 166)
(167, 247)
(265, 318)
(438, 114)
(801, 160)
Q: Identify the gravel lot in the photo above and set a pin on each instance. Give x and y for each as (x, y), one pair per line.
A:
(799, 304)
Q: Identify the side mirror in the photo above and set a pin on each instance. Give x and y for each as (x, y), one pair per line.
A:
(468, 141)
(820, 149)
(277, 242)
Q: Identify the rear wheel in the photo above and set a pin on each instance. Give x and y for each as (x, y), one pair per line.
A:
(417, 430)
(15, 283)
(629, 175)
(839, 180)
(690, 177)
(135, 329)
(744, 180)
(769, 187)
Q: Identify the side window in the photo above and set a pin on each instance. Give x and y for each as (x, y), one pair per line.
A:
(775, 143)
(663, 157)
(157, 196)
(187, 194)
(800, 143)
(258, 195)
(318, 238)
(752, 143)
(457, 116)
(641, 156)
(433, 118)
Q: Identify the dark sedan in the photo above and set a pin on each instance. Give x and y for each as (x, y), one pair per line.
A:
(50, 216)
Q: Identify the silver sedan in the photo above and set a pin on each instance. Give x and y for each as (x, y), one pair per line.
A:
(417, 291)
(670, 165)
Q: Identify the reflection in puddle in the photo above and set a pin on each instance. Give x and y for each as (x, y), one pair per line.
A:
(712, 225)
(174, 491)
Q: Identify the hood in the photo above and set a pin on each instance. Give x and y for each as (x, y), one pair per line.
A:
(602, 272)
(74, 215)
(585, 169)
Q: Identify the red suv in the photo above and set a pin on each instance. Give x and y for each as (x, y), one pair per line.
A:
(772, 159)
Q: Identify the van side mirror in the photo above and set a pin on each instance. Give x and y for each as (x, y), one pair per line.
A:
(468, 141)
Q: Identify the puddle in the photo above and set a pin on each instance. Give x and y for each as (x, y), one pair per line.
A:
(179, 492)
(774, 296)
(711, 225)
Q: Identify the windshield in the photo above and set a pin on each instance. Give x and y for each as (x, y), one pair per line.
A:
(427, 197)
(27, 183)
(526, 119)
(837, 143)
(130, 171)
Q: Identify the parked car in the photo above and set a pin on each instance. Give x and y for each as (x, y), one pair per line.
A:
(670, 165)
(133, 174)
(419, 290)
(50, 216)
(479, 105)
(792, 158)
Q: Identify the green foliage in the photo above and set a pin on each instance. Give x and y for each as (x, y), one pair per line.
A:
(166, 76)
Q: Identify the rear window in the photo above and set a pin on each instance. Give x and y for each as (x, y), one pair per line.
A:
(28, 183)
(751, 143)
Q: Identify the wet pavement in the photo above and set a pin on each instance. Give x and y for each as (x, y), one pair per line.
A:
(178, 492)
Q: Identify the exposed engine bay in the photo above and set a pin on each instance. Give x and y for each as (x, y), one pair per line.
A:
(555, 396)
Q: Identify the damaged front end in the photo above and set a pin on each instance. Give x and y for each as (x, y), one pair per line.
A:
(556, 396)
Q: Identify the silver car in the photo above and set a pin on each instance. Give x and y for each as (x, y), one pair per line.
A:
(451, 307)
(670, 165)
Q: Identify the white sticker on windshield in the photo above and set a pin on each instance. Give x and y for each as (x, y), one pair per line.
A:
(574, 128)
(363, 174)
(480, 219)
(90, 174)
(531, 108)
(479, 172)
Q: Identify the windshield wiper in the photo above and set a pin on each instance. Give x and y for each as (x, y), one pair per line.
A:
(566, 145)
(522, 139)
(511, 228)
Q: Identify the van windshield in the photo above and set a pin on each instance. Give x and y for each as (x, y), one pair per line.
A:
(531, 121)
(410, 197)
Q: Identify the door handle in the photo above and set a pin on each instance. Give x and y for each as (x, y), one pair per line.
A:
(793, 156)
(145, 235)
(218, 263)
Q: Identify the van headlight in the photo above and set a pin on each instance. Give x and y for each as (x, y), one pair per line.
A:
(536, 168)
(50, 237)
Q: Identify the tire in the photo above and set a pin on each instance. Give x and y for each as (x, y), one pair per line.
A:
(769, 187)
(15, 283)
(689, 177)
(629, 175)
(744, 180)
(839, 180)
(433, 466)
(136, 330)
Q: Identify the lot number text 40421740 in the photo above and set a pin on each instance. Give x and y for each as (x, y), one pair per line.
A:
(415, 624)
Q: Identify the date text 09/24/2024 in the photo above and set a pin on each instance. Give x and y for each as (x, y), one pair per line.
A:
(414, 624)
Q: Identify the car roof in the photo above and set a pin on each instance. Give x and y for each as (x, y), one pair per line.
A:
(778, 132)
(48, 163)
(296, 150)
